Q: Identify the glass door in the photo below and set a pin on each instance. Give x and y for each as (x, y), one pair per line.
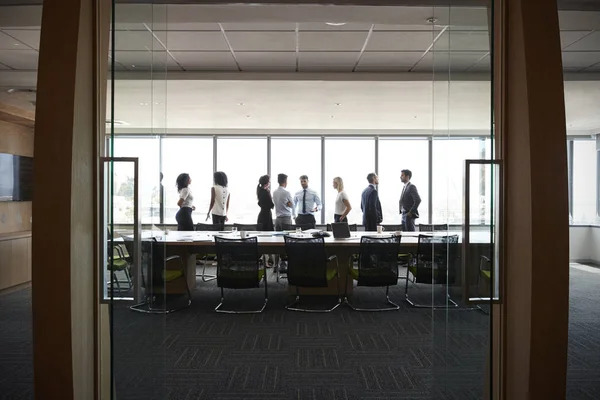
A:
(456, 265)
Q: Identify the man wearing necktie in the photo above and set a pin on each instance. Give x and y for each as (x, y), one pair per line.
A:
(306, 203)
(409, 202)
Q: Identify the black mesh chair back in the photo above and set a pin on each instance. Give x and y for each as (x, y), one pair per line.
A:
(292, 227)
(378, 261)
(351, 227)
(210, 227)
(248, 227)
(433, 227)
(307, 261)
(437, 258)
(237, 263)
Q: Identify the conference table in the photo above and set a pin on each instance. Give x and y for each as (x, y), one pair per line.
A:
(189, 244)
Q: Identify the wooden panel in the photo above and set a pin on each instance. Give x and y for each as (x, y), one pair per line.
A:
(15, 216)
(15, 268)
(16, 115)
(16, 139)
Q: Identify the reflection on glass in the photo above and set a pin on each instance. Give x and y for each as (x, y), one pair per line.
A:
(195, 157)
(584, 181)
(147, 150)
(309, 149)
(449, 157)
(394, 156)
(341, 157)
(244, 161)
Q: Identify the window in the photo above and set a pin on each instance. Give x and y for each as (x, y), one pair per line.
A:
(449, 157)
(244, 160)
(394, 156)
(352, 160)
(283, 151)
(584, 182)
(195, 157)
(147, 151)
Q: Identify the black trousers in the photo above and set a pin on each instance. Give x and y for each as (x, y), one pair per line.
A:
(305, 219)
(370, 225)
(184, 219)
(218, 219)
(336, 218)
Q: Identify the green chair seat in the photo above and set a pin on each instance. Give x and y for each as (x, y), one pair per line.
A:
(171, 275)
(118, 265)
(379, 272)
(331, 273)
(413, 270)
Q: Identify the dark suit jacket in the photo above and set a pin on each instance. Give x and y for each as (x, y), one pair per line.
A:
(371, 207)
(410, 200)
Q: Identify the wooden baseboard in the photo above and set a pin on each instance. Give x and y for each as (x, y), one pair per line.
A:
(15, 288)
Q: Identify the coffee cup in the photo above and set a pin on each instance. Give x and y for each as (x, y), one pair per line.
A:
(243, 234)
(398, 233)
(380, 229)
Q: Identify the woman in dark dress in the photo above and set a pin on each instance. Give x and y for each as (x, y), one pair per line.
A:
(265, 202)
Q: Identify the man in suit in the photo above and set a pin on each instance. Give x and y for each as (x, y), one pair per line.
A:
(409, 202)
(370, 205)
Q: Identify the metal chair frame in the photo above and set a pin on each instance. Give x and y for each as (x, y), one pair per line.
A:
(395, 307)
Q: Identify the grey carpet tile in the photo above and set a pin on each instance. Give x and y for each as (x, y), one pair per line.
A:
(412, 354)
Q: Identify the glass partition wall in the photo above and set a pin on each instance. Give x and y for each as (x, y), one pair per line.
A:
(403, 93)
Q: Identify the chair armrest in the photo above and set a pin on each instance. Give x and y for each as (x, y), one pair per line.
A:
(331, 258)
(171, 258)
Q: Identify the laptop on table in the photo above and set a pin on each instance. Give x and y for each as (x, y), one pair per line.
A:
(340, 230)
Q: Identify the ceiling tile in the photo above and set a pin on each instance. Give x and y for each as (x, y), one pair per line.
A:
(205, 60)
(259, 26)
(332, 41)
(8, 43)
(392, 61)
(265, 61)
(589, 43)
(567, 38)
(139, 41)
(204, 41)
(452, 40)
(400, 41)
(20, 59)
(443, 61)
(321, 26)
(262, 41)
(422, 28)
(322, 61)
(143, 60)
(30, 37)
(187, 26)
(573, 59)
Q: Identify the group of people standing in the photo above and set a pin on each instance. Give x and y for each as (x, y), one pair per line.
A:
(302, 206)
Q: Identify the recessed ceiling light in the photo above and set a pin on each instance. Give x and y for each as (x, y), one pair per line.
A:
(240, 104)
(432, 20)
(143, 104)
(335, 23)
(132, 66)
(338, 104)
(17, 44)
(247, 116)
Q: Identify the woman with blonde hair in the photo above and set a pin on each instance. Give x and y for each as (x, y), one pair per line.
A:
(342, 204)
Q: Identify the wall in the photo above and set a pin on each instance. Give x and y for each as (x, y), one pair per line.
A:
(584, 244)
(15, 217)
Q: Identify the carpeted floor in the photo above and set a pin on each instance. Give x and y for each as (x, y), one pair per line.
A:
(198, 354)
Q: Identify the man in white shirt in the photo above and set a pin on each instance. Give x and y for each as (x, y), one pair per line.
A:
(283, 204)
(306, 203)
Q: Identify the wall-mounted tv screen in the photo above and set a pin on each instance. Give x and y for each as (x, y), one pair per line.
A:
(16, 178)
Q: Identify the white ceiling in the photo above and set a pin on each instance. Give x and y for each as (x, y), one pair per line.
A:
(190, 43)
(297, 38)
